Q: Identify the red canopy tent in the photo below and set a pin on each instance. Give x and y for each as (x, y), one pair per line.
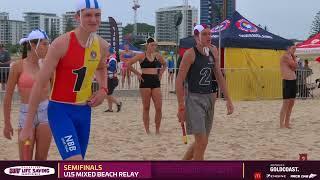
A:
(310, 47)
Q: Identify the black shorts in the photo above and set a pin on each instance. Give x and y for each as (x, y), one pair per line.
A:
(4, 72)
(112, 84)
(289, 89)
(171, 71)
(150, 81)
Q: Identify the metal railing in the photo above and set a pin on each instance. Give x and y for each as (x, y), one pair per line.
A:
(4, 74)
(253, 84)
(243, 84)
(126, 92)
(307, 84)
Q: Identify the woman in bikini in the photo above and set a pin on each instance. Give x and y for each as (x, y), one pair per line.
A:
(22, 73)
(152, 67)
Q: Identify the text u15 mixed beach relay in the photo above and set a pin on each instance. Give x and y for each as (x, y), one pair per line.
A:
(95, 171)
(123, 174)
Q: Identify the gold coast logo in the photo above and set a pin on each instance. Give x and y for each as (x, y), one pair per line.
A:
(221, 27)
(257, 176)
(93, 55)
(29, 171)
(246, 26)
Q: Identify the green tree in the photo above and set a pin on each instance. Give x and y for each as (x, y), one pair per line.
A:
(69, 26)
(138, 43)
(127, 29)
(142, 27)
(216, 16)
(13, 49)
(53, 34)
(315, 28)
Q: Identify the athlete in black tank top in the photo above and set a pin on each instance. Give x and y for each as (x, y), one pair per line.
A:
(150, 64)
(200, 77)
(199, 67)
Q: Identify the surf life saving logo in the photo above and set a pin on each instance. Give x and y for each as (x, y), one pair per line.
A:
(93, 55)
(246, 26)
(29, 171)
(221, 27)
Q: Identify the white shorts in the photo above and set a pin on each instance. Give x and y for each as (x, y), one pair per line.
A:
(40, 117)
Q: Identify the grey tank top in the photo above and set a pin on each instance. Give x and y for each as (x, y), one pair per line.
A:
(200, 78)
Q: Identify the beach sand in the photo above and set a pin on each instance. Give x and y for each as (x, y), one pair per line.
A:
(251, 133)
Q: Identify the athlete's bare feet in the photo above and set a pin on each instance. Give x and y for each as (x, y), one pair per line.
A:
(288, 127)
(282, 125)
(148, 132)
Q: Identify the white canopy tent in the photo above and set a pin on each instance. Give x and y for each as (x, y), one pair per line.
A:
(310, 47)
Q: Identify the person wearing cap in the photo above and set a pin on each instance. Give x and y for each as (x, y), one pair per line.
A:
(112, 81)
(23, 74)
(5, 61)
(199, 67)
(73, 59)
(152, 67)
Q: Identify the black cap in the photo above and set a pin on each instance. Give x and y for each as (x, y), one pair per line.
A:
(150, 40)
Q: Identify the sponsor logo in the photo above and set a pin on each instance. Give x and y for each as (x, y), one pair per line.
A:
(295, 176)
(284, 169)
(311, 176)
(93, 55)
(303, 157)
(303, 176)
(315, 41)
(68, 143)
(246, 26)
(271, 176)
(257, 176)
(221, 27)
(29, 171)
(255, 36)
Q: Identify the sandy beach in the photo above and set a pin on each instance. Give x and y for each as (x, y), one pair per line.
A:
(251, 133)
